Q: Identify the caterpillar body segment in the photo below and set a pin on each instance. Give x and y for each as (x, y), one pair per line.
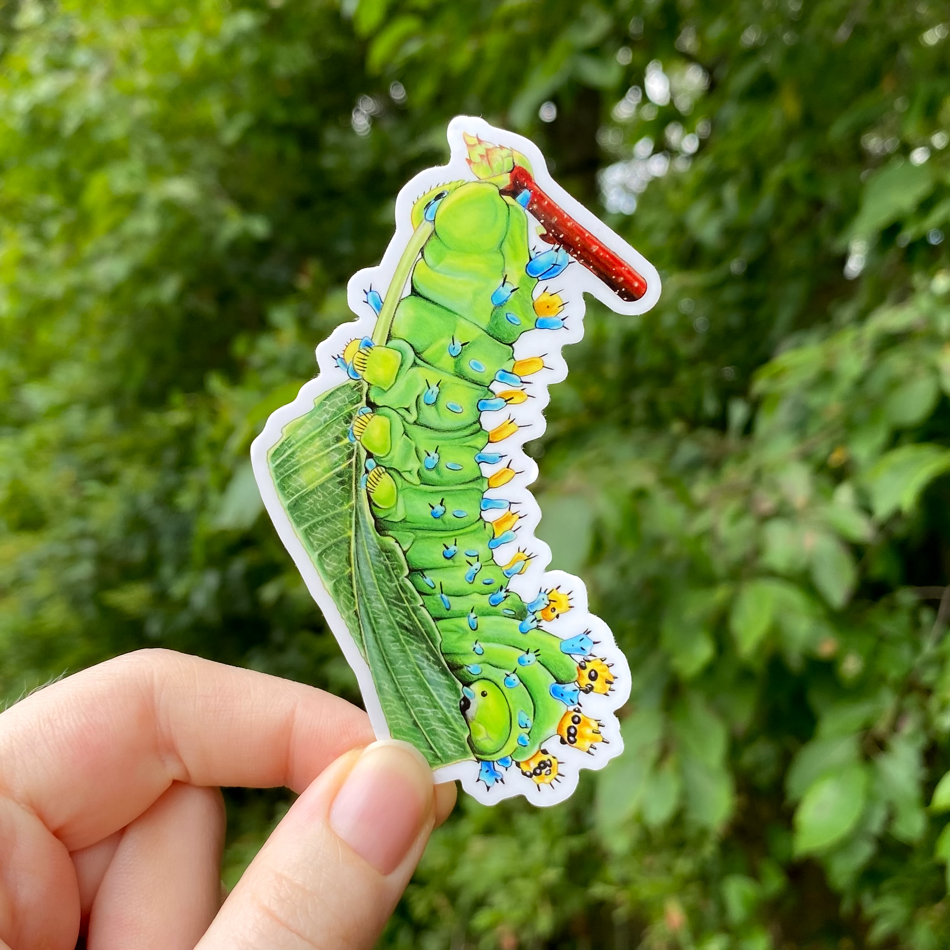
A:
(459, 337)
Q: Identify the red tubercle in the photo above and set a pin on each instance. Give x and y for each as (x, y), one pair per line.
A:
(560, 228)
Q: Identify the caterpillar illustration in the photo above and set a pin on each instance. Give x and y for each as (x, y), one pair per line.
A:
(398, 482)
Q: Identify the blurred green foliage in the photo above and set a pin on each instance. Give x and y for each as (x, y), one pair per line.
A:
(753, 477)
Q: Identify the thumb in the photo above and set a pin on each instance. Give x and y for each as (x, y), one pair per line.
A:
(333, 870)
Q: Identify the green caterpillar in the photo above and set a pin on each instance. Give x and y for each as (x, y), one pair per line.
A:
(394, 483)
(428, 384)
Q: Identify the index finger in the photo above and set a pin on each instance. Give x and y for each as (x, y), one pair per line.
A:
(92, 752)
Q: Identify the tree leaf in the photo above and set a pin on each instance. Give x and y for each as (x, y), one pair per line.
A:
(315, 469)
(889, 194)
(941, 799)
(661, 794)
(830, 809)
(817, 758)
(898, 478)
(912, 401)
(751, 615)
(833, 571)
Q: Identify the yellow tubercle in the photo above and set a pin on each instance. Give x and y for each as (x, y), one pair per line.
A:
(518, 564)
(500, 433)
(541, 768)
(548, 305)
(578, 730)
(594, 676)
(526, 367)
(501, 477)
(558, 603)
(513, 397)
(505, 523)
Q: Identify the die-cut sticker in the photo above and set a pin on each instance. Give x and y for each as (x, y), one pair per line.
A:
(398, 483)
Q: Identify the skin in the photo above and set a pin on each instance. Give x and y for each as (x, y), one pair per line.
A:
(111, 822)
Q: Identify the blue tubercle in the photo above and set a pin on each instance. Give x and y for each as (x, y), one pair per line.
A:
(472, 621)
(374, 299)
(431, 394)
(548, 264)
(504, 763)
(428, 581)
(568, 694)
(449, 551)
(454, 407)
(511, 680)
(523, 197)
(488, 774)
(472, 572)
(513, 319)
(477, 648)
(492, 404)
(494, 504)
(474, 669)
(526, 659)
(498, 597)
(502, 293)
(524, 720)
(438, 510)
(430, 461)
(509, 379)
(459, 513)
(455, 347)
(505, 537)
(523, 740)
(540, 601)
(433, 206)
(581, 645)
(489, 458)
(453, 466)
(549, 323)
(446, 603)
(527, 625)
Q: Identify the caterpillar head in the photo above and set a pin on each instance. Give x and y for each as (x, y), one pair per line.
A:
(594, 676)
(541, 768)
(578, 730)
(558, 603)
(425, 205)
(488, 714)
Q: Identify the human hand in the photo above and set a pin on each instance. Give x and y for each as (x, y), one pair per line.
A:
(111, 824)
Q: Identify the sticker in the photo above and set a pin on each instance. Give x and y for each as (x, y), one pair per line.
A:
(398, 482)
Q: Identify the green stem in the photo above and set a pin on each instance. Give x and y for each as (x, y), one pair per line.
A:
(385, 320)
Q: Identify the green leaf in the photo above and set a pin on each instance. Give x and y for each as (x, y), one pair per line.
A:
(241, 502)
(709, 793)
(740, 894)
(684, 633)
(661, 794)
(369, 15)
(941, 798)
(390, 44)
(785, 550)
(830, 809)
(898, 478)
(316, 471)
(889, 195)
(942, 847)
(817, 758)
(912, 401)
(833, 571)
(899, 773)
(751, 615)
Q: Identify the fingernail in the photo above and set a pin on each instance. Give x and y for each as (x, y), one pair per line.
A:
(381, 807)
